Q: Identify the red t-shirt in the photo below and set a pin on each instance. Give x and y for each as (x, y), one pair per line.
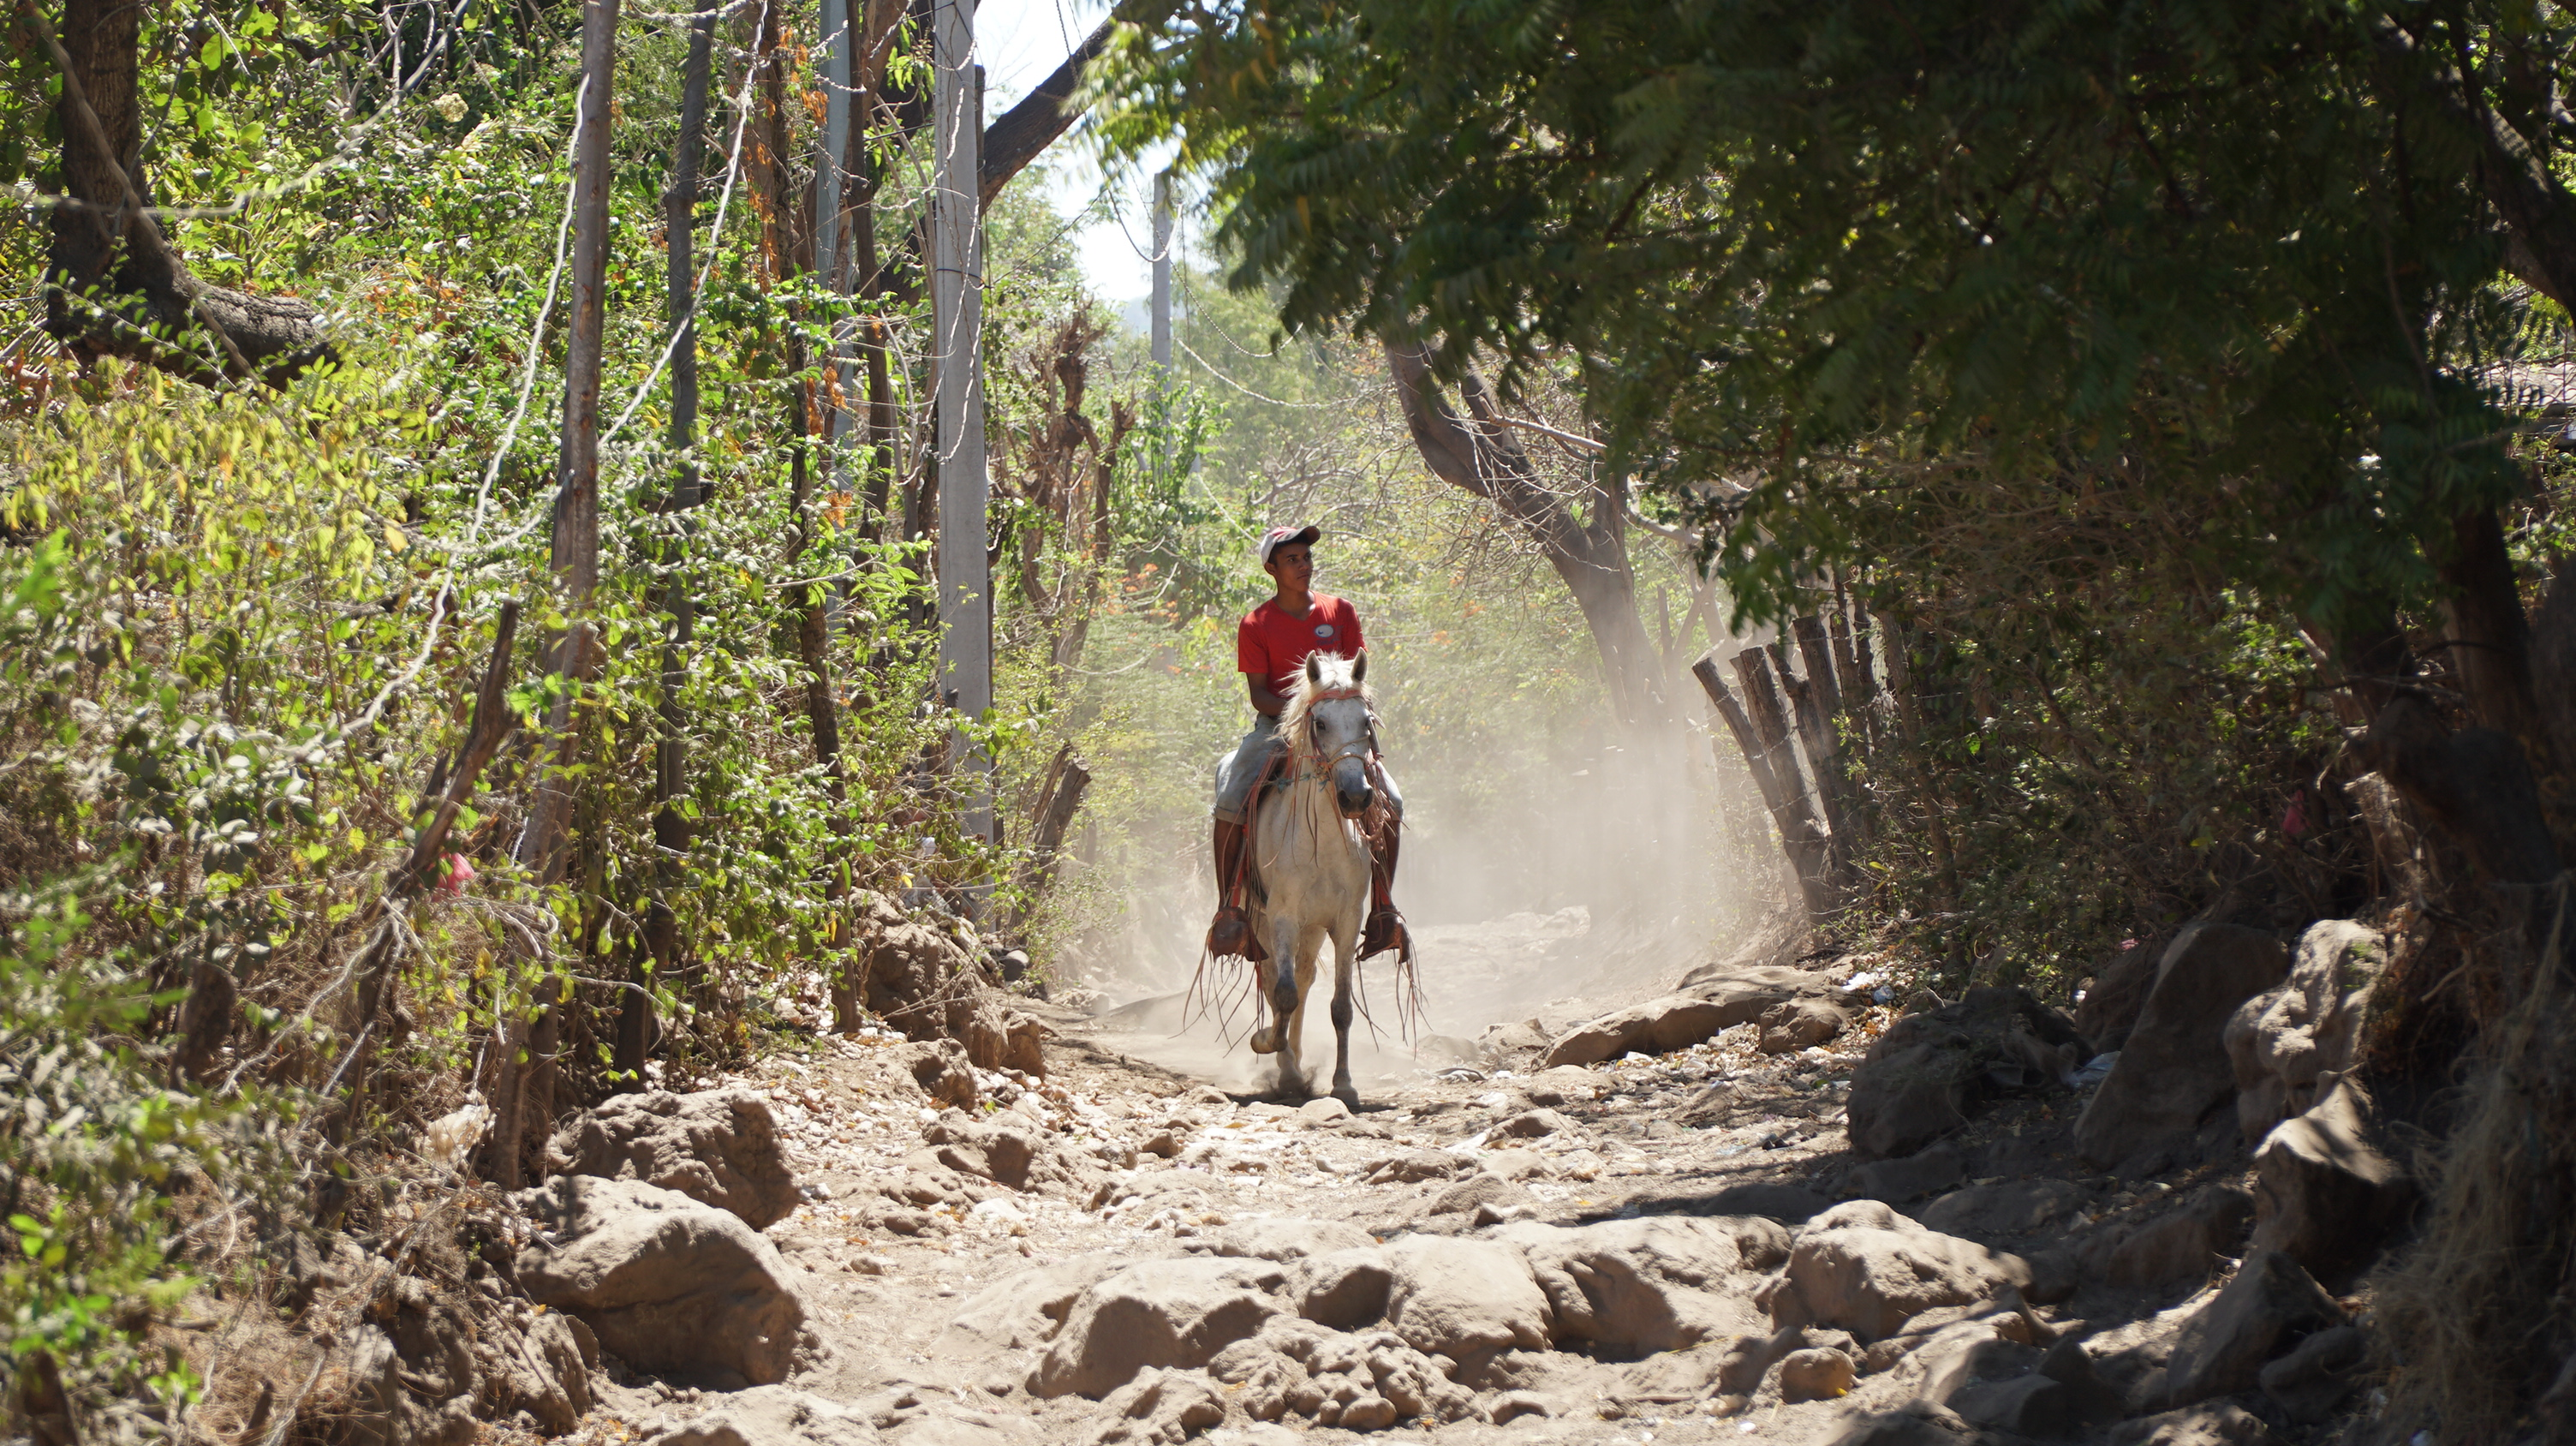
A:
(1273, 645)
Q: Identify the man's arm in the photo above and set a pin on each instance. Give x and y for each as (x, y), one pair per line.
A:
(1263, 700)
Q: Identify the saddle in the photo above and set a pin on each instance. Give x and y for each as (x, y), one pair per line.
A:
(1244, 890)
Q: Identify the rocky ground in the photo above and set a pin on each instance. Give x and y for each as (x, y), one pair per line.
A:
(1637, 1220)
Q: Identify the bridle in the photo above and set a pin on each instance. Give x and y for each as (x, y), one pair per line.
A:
(1363, 748)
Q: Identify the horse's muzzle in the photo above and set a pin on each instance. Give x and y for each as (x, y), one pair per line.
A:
(1351, 788)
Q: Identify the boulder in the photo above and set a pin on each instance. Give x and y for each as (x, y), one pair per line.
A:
(1745, 988)
(2005, 1207)
(2324, 1195)
(922, 980)
(2269, 1307)
(942, 1070)
(1676, 1021)
(1463, 1298)
(1344, 1290)
(718, 1147)
(1921, 1077)
(1323, 1111)
(667, 1284)
(1897, 1181)
(411, 1371)
(2283, 1043)
(1816, 1375)
(1916, 1423)
(1417, 1165)
(1025, 1309)
(1532, 1125)
(1869, 1270)
(2173, 1069)
(1633, 1288)
(1008, 1149)
(2184, 1245)
(771, 1416)
(2319, 1374)
(540, 1363)
(1170, 1313)
(1282, 1240)
(2219, 1424)
(2109, 1010)
(1799, 1024)
(1161, 1408)
(1477, 1191)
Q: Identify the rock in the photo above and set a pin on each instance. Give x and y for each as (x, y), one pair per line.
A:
(1344, 1290)
(1533, 1124)
(1919, 1079)
(1512, 1405)
(924, 982)
(1502, 1039)
(1800, 1023)
(2270, 1306)
(1898, 1181)
(1161, 1408)
(2213, 1425)
(1462, 1298)
(1744, 989)
(2283, 1043)
(1714, 1102)
(1566, 1082)
(1171, 1313)
(1418, 1165)
(1008, 1149)
(2319, 1374)
(411, 1371)
(1676, 1021)
(718, 1147)
(2323, 1194)
(1869, 1270)
(1479, 1189)
(771, 1416)
(1633, 1288)
(668, 1285)
(2173, 1068)
(1025, 1309)
(1322, 1111)
(540, 1363)
(942, 1070)
(2184, 1245)
(1816, 1375)
(2109, 1010)
(2006, 1207)
(1916, 1423)
(1281, 1240)
(1516, 1164)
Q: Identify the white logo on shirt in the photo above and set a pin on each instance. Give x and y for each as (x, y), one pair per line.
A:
(1323, 630)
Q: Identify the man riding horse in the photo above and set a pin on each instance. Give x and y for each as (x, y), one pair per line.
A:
(1270, 645)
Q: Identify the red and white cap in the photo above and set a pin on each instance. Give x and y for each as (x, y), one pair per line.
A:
(1279, 537)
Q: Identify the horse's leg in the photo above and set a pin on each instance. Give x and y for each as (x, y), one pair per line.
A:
(1287, 1002)
(1265, 1038)
(1310, 944)
(1345, 944)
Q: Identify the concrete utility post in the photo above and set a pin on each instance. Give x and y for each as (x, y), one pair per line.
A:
(957, 319)
(1163, 271)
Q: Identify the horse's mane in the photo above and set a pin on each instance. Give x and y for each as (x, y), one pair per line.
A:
(1310, 691)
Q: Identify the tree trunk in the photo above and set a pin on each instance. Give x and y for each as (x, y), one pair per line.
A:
(1798, 831)
(575, 554)
(1480, 455)
(114, 284)
(1786, 800)
(1820, 722)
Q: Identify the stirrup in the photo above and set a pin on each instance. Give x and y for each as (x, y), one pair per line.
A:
(1229, 936)
(1384, 930)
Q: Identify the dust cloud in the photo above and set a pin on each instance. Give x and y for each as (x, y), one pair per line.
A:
(1590, 881)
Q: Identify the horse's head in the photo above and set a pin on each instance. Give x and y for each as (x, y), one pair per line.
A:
(1328, 720)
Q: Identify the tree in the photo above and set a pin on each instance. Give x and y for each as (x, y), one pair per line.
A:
(114, 283)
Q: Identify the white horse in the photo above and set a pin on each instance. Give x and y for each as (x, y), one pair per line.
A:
(1314, 862)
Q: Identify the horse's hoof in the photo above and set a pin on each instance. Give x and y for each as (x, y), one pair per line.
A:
(1349, 1097)
(1262, 1043)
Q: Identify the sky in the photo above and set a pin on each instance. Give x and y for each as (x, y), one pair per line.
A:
(1020, 42)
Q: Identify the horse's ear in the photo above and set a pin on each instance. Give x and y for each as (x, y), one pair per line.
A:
(1315, 669)
(1359, 668)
